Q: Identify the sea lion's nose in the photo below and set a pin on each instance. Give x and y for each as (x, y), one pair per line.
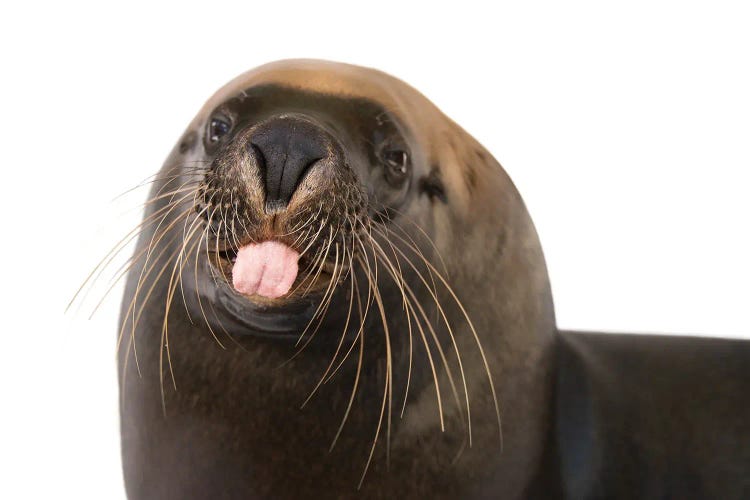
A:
(285, 148)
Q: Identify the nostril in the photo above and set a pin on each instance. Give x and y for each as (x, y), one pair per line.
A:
(304, 171)
(260, 159)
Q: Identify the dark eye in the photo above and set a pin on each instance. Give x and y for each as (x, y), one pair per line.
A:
(218, 128)
(397, 165)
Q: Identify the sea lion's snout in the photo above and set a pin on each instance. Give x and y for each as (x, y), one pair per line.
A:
(285, 148)
(281, 203)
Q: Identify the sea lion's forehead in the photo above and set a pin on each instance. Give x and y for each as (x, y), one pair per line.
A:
(314, 77)
(320, 77)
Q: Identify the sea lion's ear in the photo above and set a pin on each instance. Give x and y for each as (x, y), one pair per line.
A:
(459, 166)
(431, 185)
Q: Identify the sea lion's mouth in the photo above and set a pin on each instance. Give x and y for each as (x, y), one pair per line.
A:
(273, 274)
(281, 206)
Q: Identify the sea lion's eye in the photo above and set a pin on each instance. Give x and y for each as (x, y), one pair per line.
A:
(218, 128)
(397, 165)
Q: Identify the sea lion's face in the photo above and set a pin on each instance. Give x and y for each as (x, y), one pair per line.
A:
(292, 184)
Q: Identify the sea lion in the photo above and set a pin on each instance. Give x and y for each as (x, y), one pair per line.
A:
(338, 292)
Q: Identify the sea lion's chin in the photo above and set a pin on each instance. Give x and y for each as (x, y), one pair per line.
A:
(255, 315)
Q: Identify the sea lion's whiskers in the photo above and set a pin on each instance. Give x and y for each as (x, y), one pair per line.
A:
(412, 245)
(373, 286)
(360, 312)
(217, 239)
(409, 309)
(147, 252)
(205, 239)
(134, 319)
(388, 366)
(191, 185)
(197, 220)
(104, 263)
(169, 207)
(211, 227)
(221, 220)
(245, 229)
(158, 176)
(174, 280)
(153, 243)
(323, 223)
(131, 310)
(185, 231)
(322, 262)
(409, 313)
(202, 239)
(233, 218)
(361, 336)
(474, 334)
(126, 358)
(449, 329)
(419, 228)
(320, 312)
(314, 239)
(340, 343)
(318, 257)
(224, 207)
(398, 263)
(398, 277)
(303, 235)
(311, 268)
(156, 239)
(325, 302)
(438, 346)
(301, 225)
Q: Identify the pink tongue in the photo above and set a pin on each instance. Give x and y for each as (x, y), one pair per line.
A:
(266, 269)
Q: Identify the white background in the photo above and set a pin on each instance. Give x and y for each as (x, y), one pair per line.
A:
(626, 129)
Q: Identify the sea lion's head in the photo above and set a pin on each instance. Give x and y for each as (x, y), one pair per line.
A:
(293, 172)
(310, 199)
(298, 175)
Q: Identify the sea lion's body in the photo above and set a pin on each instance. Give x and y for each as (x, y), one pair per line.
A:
(216, 411)
(643, 416)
